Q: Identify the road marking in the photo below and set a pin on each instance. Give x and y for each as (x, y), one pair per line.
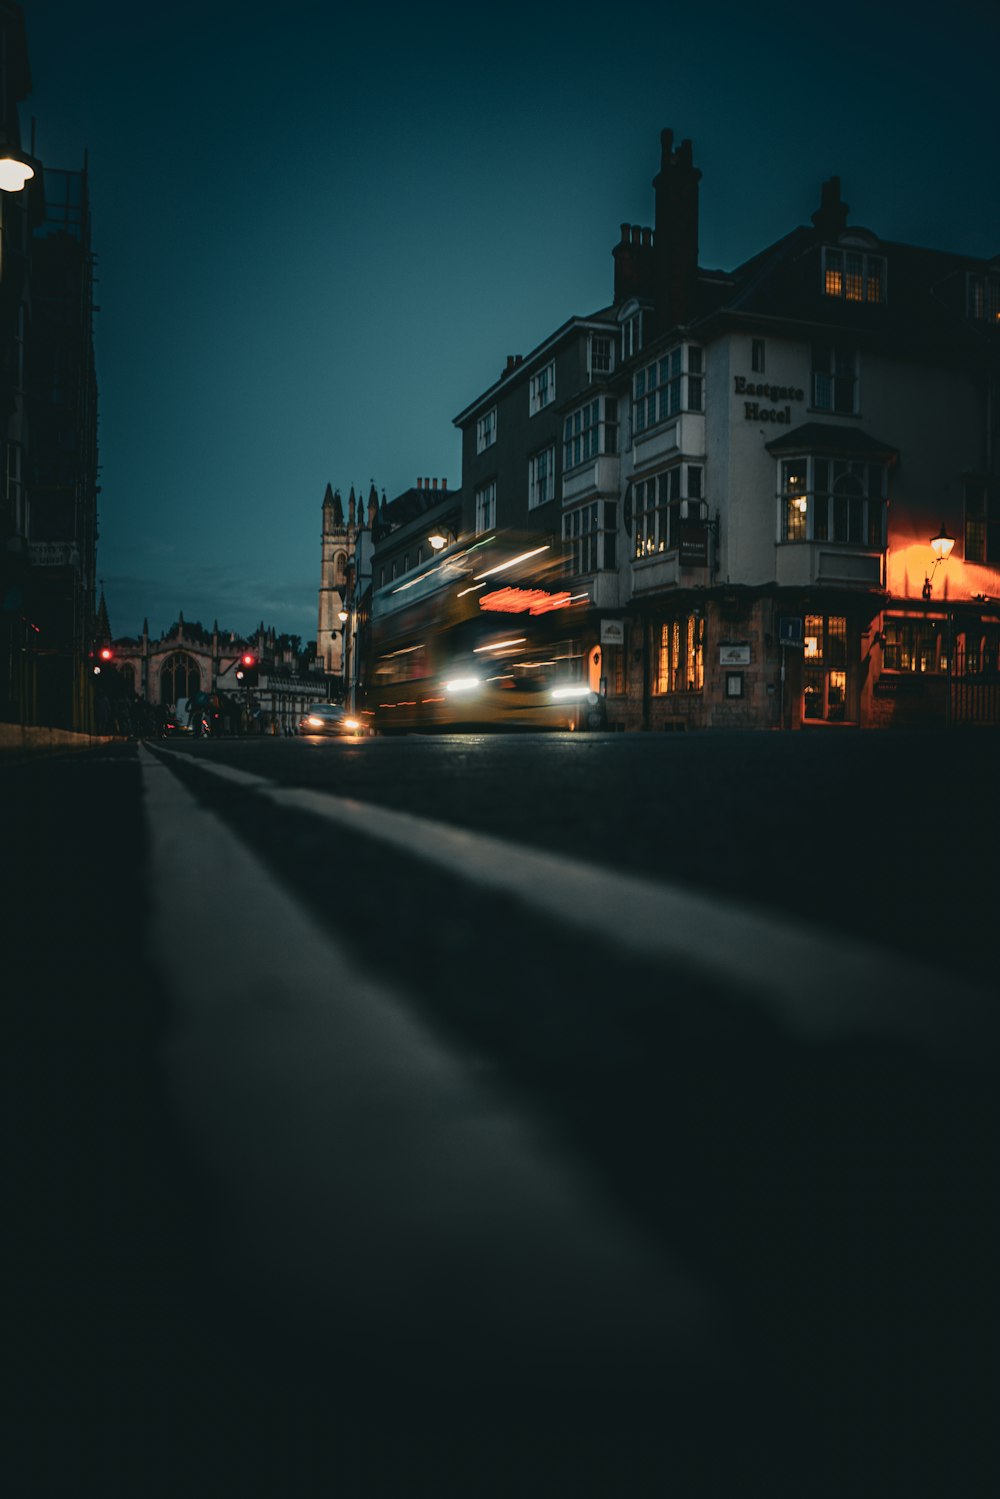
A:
(817, 984)
(369, 1187)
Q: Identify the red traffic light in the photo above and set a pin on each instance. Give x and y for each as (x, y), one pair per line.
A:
(106, 653)
(248, 658)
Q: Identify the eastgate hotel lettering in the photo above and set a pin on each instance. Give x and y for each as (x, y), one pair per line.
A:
(753, 412)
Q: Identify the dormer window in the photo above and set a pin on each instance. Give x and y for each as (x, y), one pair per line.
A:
(631, 335)
(853, 275)
(602, 354)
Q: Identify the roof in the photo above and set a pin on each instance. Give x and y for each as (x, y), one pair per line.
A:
(822, 437)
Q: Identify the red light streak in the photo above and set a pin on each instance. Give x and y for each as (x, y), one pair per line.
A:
(523, 601)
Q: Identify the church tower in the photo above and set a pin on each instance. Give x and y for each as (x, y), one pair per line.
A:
(338, 546)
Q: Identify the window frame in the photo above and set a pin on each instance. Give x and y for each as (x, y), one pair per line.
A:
(542, 477)
(851, 274)
(657, 501)
(811, 507)
(486, 430)
(542, 388)
(679, 656)
(981, 521)
(592, 366)
(486, 507)
(668, 386)
(841, 373)
(591, 530)
(589, 432)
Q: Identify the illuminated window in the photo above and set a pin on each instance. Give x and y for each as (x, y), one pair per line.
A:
(834, 379)
(853, 275)
(541, 478)
(834, 499)
(657, 505)
(915, 645)
(665, 387)
(680, 656)
(591, 532)
(486, 431)
(590, 430)
(542, 389)
(824, 676)
(486, 508)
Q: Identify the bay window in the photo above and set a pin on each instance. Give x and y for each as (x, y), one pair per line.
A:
(590, 531)
(834, 499)
(666, 386)
(590, 431)
(657, 504)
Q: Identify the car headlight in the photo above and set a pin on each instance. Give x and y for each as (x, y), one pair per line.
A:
(351, 723)
(567, 694)
(461, 684)
(314, 723)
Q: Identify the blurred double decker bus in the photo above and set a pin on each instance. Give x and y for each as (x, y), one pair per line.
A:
(487, 635)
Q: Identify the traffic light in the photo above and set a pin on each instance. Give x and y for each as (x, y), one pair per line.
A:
(246, 669)
(103, 656)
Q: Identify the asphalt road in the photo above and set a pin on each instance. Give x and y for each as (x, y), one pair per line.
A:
(558, 1116)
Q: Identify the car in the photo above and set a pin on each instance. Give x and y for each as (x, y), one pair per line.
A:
(329, 718)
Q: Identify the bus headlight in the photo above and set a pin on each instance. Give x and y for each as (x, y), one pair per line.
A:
(461, 684)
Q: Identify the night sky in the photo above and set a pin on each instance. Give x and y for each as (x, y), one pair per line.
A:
(320, 231)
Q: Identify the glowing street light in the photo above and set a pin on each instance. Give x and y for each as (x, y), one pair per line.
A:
(941, 545)
(14, 171)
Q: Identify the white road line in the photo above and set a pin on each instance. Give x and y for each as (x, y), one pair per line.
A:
(817, 984)
(367, 1185)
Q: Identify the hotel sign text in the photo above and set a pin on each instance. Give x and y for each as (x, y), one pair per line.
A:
(753, 411)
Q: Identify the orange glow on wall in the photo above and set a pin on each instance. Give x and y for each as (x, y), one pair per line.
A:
(907, 566)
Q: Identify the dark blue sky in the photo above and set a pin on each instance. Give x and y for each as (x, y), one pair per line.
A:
(319, 233)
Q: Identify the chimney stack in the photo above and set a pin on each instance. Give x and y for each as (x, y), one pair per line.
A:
(675, 236)
(830, 217)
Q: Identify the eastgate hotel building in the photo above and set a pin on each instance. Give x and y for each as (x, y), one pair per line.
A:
(780, 483)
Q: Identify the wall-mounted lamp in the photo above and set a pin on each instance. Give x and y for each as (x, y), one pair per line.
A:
(15, 168)
(342, 616)
(440, 539)
(941, 545)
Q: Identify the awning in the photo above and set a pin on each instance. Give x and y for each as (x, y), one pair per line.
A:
(830, 441)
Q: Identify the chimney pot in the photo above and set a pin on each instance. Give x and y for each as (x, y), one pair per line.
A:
(435, 484)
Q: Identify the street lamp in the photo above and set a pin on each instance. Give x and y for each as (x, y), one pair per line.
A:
(941, 545)
(440, 539)
(14, 170)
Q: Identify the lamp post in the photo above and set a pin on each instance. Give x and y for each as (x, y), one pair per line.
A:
(342, 615)
(941, 545)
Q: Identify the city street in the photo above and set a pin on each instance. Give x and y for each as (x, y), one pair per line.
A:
(503, 1115)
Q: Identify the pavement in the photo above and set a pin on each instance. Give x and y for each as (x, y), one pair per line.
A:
(843, 1200)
